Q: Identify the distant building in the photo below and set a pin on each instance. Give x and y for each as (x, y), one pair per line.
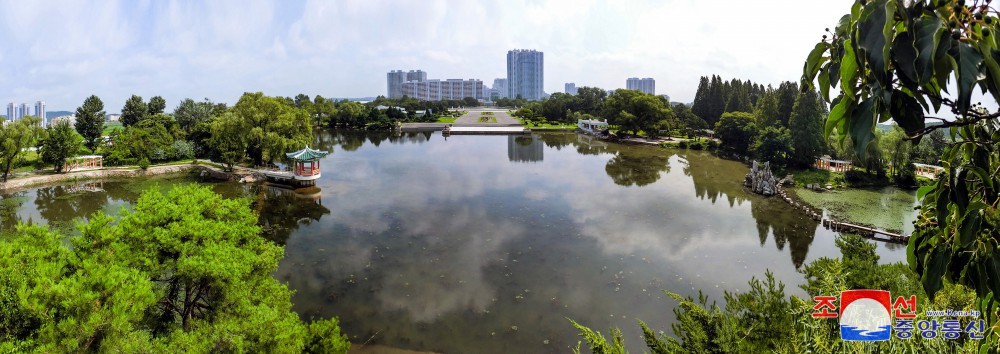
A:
(11, 114)
(114, 118)
(666, 97)
(437, 90)
(395, 79)
(500, 87)
(571, 88)
(416, 75)
(40, 111)
(647, 85)
(525, 74)
(23, 110)
(69, 118)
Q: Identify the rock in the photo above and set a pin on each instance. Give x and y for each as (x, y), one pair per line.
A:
(761, 180)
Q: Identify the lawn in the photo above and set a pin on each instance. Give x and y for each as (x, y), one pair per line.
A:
(110, 126)
(444, 119)
(534, 125)
(817, 176)
(887, 208)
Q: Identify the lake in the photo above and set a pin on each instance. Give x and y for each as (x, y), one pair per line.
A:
(489, 243)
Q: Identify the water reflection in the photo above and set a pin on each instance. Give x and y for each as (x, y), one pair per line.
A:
(524, 148)
(431, 244)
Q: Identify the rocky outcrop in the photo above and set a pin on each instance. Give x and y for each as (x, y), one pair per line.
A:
(760, 179)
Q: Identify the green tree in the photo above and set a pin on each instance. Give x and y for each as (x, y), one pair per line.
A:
(787, 93)
(766, 111)
(189, 113)
(90, 121)
(806, 125)
(15, 137)
(895, 60)
(62, 142)
(274, 127)
(134, 111)
(634, 111)
(773, 144)
(156, 105)
(736, 131)
(700, 105)
(229, 139)
(187, 271)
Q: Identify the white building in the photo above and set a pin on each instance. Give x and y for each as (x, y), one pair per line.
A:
(395, 79)
(570, 88)
(69, 118)
(437, 90)
(647, 85)
(40, 111)
(525, 74)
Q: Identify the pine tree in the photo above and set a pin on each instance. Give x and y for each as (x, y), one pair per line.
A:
(787, 93)
(90, 121)
(806, 125)
(701, 99)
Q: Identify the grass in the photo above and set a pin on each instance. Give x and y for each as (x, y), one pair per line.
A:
(446, 119)
(535, 125)
(817, 176)
(110, 126)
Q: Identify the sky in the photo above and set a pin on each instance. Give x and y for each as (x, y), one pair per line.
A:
(61, 52)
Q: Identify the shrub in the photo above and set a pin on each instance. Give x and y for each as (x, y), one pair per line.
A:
(159, 155)
(696, 146)
(182, 150)
(144, 163)
(711, 145)
(906, 177)
(683, 144)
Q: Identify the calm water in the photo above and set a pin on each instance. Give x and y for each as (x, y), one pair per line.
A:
(489, 243)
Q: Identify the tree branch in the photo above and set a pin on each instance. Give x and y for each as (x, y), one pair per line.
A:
(970, 119)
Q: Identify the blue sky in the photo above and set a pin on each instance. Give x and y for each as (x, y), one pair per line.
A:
(63, 51)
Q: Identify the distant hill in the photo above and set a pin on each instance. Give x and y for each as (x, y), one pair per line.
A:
(53, 114)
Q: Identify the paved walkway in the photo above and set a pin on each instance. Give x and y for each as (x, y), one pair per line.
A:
(472, 117)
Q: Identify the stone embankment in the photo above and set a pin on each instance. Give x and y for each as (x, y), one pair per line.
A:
(206, 170)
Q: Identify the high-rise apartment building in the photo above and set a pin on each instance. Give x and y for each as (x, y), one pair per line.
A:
(40, 111)
(500, 86)
(394, 83)
(571, 88)
(647, 85)
(23, 110)
(395, 79)
(525, 74)
(10, 111)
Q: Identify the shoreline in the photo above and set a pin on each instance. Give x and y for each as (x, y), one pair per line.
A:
(14, 185)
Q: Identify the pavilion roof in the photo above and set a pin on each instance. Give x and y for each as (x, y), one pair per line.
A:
(307, 154)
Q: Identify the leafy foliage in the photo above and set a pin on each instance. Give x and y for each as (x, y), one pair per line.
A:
(185, 272)
(14, 138)
(736, 131)
(156, 105)
(895, 60)
(134, 111)
(90, 121)
(773, 144)
(62, 142)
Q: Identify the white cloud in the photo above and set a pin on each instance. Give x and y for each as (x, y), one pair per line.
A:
(63, 51)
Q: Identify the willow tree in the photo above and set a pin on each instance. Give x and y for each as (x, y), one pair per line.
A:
(897, 60)
(274, 127)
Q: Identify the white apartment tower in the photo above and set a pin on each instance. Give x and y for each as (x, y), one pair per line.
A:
(525, 74)
(10, 111)
(40, 111)
(570, 88)
(646, 85)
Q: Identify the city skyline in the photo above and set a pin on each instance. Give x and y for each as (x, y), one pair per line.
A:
(200, 50)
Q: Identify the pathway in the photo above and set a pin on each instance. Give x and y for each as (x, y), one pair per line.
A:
(471, 117)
